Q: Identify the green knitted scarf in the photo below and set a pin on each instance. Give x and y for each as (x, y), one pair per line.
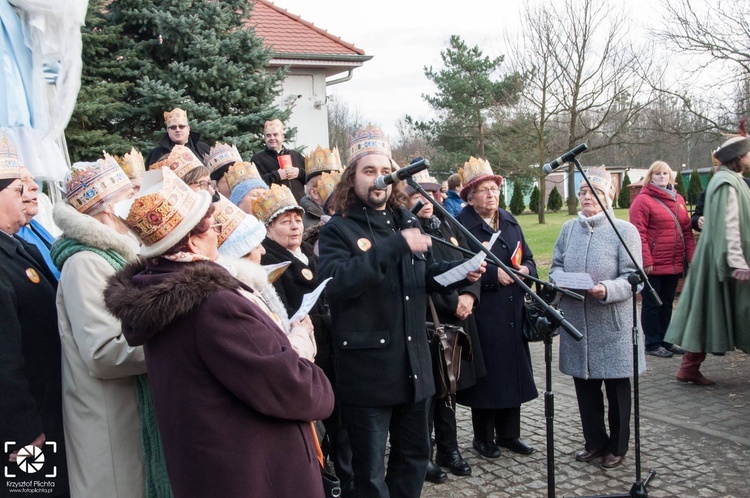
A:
(154, 467)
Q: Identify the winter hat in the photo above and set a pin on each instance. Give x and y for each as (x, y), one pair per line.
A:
(733, 148)
(601, 180)
(240, 232)
(241, 178)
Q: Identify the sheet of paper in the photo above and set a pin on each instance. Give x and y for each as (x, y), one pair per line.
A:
(309, 300)
(276, 270)
(459, 272)
(568, 280)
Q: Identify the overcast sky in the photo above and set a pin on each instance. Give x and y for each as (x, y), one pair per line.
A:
(404, 36)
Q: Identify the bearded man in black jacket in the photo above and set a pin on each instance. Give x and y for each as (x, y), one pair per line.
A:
(382, 269)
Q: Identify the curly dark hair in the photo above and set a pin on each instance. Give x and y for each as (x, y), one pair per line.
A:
(202, 227)
(343, 195)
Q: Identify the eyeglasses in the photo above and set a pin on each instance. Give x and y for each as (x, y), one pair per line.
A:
(485, 191)
(217, 227)
(204, 185)
(18, 188)
(174, 127)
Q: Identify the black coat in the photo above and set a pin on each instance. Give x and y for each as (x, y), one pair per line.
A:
(267, 162)
(378, 298)
(300, 279)
(510, 380)
(30, 357)
(166, 145)
(446, 304)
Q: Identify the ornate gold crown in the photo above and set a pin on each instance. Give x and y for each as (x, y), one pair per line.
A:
(474, 168)
(327, 183)
(369, 140)
(181, 160)
(154, 216)
(9, 165)
(322, 160)
(221, 155)
(228, 216)
(92, 184)
(272, 126)
(132, 163)
(279, 199)
(175, 117)
(239, 172)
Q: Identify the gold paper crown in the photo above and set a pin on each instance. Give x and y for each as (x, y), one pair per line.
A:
(221, 155)
(327, 183)
(423, 178)
(154, 216)
(474, 168)
(279, 199)
(9, 165)
(369, 140)
(92, 184)
(228, 216)
(322, 160)
(273, 125)
(175, 116)
(132, 163)
(240, 172)
(181, 160)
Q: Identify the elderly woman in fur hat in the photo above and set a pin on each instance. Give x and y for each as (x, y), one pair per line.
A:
(227, 385)
(589, 244)
(100, 370)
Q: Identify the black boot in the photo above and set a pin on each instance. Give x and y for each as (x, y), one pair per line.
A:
(435, 474)
(453, 461)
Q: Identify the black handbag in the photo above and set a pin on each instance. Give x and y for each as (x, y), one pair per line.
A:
(449, 344)
(331, 483)
(532, 311)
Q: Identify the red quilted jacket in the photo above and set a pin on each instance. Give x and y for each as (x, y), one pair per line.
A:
(663, 247)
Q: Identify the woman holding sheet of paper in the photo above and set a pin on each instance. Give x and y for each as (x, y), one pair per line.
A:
(496, 398)
(605, 354)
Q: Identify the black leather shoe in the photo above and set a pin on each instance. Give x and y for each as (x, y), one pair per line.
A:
(516, 445)
(487, 449)
(588, 455)
(453, 461)
(435, 474)
(611, 461)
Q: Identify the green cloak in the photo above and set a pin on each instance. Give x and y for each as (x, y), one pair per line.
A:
(713, 312)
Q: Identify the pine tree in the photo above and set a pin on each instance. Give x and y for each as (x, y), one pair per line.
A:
(710, 175)
(144, 57)
(517, 205)
(694, 187)
(501, 202)
(534, 201)
(555, 202)
(624, 200)
(680, 185)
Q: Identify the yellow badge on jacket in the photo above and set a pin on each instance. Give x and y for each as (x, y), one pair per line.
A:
(454, 241)
(364, 244)
(307, 274)
(33, 275)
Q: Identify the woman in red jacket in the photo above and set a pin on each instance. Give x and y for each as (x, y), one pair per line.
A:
(662, 219)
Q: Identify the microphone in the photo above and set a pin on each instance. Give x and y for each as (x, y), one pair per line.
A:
(415, 166)
(565, 158)
(417, 207)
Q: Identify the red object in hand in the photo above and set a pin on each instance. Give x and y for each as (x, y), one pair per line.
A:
(284, 161)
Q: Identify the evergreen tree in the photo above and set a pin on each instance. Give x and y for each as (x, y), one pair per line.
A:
(710, 175)
(694, 187)
(555, 201)
(624, 200)
(534, 201)
(517, 205)
(144, 57)
(501, 203)
(680, 185)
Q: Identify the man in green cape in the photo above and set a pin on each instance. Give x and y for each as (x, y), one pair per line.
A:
(715, 300)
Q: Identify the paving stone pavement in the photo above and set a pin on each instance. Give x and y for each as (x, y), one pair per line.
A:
(696, 438)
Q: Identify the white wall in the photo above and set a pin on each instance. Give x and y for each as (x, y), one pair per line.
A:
(302, 90)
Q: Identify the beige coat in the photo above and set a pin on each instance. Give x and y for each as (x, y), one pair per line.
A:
(98, 368)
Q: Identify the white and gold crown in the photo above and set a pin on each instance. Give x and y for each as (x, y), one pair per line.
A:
(132, 163)
(10, 168)
(321, 160)
(279, 199)
(90, 185)
(228, 216)
(369, 140)
(181, 160)
(175, 117)
(240, 172)
(221, 155)
(275, 125)
(327, 183)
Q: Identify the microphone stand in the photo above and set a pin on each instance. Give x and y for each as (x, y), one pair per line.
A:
(636, 278)
(546, 324)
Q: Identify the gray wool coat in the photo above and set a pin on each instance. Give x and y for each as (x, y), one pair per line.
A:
(590, 245)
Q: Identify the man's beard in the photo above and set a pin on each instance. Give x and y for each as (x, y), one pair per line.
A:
(376, 203)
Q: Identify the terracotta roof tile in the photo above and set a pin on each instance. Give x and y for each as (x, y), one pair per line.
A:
(284, 32)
